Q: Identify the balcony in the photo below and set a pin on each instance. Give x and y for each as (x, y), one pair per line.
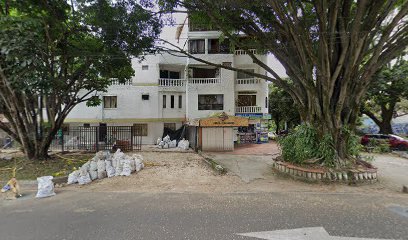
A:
(246, 81)
(166, 82)
(116, 82)
(248, 109)
(204, 80)
(243, 52)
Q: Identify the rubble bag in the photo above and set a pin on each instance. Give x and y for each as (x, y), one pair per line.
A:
(45, 187)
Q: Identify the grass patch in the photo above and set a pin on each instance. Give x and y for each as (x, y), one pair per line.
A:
(58, 165)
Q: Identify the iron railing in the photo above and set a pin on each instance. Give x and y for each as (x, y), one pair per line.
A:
(98, 138)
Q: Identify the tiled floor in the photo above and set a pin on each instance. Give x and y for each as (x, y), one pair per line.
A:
(270, 148)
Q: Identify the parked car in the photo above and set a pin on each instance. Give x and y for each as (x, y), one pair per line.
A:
(395, 142)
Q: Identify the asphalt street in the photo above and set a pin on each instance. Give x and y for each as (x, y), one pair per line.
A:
(132, 215)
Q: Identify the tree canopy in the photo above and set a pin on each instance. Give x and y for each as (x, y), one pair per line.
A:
(282, 107)
(388, 88)
(56, 54)
(330, 50)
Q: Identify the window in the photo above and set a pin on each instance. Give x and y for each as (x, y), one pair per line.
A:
(180, 101)
(266, 102)
(87, 125)
(172, 101)
(110, 101)
(140, 129)
(217, 46)
(211, 102)
(145, 67)
(205, 72)
(197, 46)
(145, 96)
(246, 100)
(241, 75)
(164, 101)
(169, 74)
(171, 126)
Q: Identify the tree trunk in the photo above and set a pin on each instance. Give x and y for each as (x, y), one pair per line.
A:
(385, 127)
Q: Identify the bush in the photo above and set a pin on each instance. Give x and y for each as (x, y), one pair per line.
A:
(303, 144)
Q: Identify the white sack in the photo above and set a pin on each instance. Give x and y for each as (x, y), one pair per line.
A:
(45, 187)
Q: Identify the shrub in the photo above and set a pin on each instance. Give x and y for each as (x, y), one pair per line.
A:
(303, 144)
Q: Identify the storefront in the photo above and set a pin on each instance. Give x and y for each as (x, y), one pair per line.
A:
(217, 133)
(257, 129)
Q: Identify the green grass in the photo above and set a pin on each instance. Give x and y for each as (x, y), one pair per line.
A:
(58, 165)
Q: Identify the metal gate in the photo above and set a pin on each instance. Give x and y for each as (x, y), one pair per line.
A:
(94, 139)
(217, 139)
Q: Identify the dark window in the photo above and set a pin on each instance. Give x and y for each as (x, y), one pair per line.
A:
(110, 102)
(197, 46)
(241, 75)
(266, 102)
(180, 101)
(169, 74)
(217, 46)
(246, 100)
(140, 129)
(211, 102)
(164, 101)
(87, 125)
(145, 97)
(172, 101)
(204, 72)
(171, 126)
(145, 67)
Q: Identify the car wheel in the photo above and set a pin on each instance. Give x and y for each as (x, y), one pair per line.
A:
(402, 148)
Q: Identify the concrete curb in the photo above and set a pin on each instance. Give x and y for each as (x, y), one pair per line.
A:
(351, 176)
(213, 164)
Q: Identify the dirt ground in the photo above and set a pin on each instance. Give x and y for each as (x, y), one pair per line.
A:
(187, 172)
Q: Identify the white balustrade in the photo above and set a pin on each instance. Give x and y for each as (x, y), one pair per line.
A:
(116, 82)
(165, 82)
(204, 80)
(244, 52)
(248, 109)
(248, 81)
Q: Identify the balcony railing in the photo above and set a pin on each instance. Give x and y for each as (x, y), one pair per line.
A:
(248, 109)
(248, 81)
(165, 82)
(204, 80)
(116, 82)
(244, 52)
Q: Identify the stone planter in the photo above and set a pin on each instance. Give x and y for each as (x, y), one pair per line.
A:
(364, 173)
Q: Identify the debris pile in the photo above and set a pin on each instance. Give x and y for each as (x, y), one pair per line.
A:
(105, 165)
(167, 143)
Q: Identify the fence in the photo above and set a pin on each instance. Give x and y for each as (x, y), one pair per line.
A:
(94, 139)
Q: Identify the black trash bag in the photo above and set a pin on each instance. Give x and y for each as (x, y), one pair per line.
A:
(177, 135)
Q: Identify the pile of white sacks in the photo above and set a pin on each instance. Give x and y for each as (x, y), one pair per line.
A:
(105, 165)
(167, 143)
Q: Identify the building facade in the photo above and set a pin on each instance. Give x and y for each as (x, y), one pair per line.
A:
(169, 91)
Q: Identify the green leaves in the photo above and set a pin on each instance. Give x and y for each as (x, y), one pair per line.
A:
(304, 143)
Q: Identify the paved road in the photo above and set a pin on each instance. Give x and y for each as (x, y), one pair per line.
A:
(110, 215)
(392, 170)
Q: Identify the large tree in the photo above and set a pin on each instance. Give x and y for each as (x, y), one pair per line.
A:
(388, 88)
(56, 54)
(330, 50)
(282, 107)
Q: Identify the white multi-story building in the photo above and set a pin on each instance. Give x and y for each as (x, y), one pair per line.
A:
(169, 91)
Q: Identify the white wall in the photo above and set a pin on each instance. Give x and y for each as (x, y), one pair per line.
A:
(129, 104)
